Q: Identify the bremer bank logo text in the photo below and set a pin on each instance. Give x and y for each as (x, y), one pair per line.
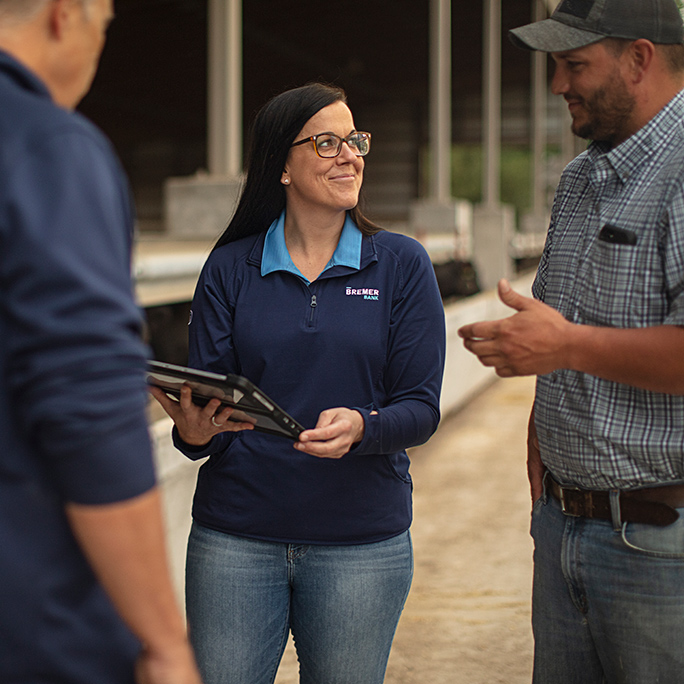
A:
(365, 292)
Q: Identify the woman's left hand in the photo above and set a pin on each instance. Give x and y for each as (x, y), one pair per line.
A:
(336, 431)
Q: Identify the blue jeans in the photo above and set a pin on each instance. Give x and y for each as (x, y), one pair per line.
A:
(342, 604)
(608, 600)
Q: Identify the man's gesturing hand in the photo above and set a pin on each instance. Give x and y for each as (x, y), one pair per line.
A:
(533, 341)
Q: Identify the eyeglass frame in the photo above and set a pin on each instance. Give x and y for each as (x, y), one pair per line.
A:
(313, 138)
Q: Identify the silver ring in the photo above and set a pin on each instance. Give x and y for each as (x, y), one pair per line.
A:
(213, 420)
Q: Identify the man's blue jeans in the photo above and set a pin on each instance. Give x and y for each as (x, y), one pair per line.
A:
(342, 604)
(608, 604)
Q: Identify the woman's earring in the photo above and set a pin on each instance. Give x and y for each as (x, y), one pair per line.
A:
(286, 181)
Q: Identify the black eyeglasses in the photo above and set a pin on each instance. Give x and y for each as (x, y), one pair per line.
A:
(329, 145)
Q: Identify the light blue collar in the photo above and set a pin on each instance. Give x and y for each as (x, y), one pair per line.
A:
(275, 256)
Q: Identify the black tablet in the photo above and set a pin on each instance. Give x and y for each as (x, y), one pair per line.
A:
(250, 403)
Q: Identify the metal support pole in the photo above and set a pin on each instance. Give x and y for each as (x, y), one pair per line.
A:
(539, 96)
(440, 100)
(492, 103)
(224, 144)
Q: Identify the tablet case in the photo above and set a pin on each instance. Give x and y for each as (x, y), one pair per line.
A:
(249, 402)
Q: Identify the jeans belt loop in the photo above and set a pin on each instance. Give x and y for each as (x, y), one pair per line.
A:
(615, 511)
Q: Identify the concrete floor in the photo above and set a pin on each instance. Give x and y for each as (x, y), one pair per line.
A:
(467, 619)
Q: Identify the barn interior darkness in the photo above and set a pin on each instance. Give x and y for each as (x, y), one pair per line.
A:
(151, 89)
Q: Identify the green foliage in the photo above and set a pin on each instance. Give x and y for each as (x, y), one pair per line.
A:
(466, 172)
(516, 175)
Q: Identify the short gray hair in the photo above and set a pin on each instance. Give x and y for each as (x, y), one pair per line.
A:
(20, 11)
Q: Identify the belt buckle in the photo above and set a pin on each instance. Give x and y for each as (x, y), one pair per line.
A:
(566, 505)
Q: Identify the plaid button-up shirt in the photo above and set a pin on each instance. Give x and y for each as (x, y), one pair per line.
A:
(614, 257)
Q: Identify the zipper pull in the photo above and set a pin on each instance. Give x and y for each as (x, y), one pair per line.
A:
(313, 308)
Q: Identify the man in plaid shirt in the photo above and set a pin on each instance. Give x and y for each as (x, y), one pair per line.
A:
(604, 334)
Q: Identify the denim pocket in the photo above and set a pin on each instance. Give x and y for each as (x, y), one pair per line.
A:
(538, 504)
(659, 542)
(536, 510)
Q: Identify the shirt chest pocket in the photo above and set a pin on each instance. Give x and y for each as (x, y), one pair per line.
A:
(612, 284)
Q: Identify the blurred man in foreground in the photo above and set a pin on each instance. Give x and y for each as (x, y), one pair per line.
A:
(84, 586)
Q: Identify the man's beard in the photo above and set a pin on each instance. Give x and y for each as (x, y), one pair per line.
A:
(609, 110)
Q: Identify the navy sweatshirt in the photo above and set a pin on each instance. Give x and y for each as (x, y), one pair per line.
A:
(371, 339)
(72, 387)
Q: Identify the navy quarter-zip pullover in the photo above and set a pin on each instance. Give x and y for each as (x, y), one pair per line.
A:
(72, 389)
(370, 338)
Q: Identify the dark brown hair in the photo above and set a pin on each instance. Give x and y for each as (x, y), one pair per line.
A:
(275, 127)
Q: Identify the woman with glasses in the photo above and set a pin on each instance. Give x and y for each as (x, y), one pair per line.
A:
(341, 324)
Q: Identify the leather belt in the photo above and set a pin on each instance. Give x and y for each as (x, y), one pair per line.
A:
(652, 506)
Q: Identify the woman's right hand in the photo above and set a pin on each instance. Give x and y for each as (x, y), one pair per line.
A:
(197, 425)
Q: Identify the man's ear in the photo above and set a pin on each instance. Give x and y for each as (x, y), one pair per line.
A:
(641, 53)
(52, 17)
(62, 15)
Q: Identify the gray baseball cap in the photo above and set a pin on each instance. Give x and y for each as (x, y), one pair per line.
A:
(576, 23)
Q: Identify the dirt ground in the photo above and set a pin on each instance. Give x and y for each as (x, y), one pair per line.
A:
(467, 619)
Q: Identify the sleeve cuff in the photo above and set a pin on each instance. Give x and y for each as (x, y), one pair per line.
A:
(370, 443)
(194, 453)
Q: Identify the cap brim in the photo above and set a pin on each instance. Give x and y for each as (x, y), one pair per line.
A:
(550, 35)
